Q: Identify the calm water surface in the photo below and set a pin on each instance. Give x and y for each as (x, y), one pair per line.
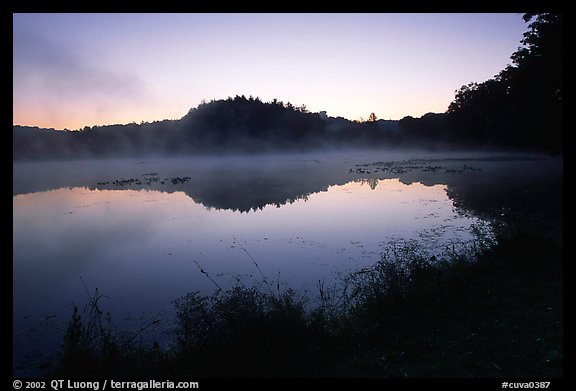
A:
(143, 243)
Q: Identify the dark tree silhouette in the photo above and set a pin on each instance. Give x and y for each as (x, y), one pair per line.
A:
(237, 124)
(523, 104)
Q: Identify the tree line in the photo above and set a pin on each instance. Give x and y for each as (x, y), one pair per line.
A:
(521, 106)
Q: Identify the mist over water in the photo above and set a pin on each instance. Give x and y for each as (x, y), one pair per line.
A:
(147, 231)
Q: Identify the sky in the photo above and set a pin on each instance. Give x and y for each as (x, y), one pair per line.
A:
(76, 70)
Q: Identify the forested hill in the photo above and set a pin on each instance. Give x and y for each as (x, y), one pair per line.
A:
(236, 124)
(522, 106)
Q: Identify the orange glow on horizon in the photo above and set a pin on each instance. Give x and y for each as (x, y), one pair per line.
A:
(45, 117)
(76, 120)
(77, 70)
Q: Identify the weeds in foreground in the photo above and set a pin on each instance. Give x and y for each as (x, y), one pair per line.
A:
(490, 309)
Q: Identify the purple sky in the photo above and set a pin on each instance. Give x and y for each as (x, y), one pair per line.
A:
(72, 70)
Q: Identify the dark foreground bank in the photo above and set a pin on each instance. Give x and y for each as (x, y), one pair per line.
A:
(493, 309)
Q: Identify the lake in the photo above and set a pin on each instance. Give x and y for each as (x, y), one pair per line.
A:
(145, 232)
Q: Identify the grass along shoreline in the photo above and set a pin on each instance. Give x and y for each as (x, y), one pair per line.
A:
(493, 309)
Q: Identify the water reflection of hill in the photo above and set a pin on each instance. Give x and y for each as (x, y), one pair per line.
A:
(487, 186)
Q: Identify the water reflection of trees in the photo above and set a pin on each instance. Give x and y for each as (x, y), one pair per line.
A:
(372, 182)
(488, 187)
